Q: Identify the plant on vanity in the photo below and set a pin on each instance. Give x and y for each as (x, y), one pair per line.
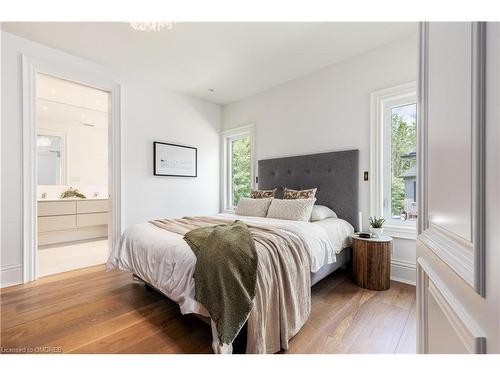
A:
(72, 193)
(376, 225)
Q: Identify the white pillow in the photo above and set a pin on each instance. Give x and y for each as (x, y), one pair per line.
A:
(291, 209)
(321, 212)
(253, 207)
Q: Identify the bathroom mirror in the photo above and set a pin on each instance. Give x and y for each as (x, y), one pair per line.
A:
(50, 156)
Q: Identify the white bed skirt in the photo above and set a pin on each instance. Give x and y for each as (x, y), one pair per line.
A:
(342, 258)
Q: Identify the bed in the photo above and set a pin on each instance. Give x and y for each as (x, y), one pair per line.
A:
(164, 260)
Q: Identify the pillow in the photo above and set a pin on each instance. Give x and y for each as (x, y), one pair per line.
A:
(253, 207)
(259, 194)
(321, 212)
(291, 209)
(299, 194)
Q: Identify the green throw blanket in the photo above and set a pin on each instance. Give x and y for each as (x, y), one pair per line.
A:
(225, 274)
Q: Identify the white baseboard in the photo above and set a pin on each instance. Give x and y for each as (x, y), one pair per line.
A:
(11, 275)
(403, 271)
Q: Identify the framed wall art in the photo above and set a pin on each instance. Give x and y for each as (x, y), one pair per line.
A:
(174, 160)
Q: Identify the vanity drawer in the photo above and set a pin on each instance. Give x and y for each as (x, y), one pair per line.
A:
(56, 208)
(53, 223)
(90, 220)
(85, 207)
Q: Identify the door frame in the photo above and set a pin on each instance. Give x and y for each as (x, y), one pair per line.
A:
(30, 68)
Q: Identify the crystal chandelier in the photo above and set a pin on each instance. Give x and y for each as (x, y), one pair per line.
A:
(151, 26)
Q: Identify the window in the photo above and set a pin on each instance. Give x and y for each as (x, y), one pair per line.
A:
(402, 204)
(238, 165)
(394, 159)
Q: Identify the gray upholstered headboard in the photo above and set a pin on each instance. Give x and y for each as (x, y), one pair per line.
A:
(335, 174)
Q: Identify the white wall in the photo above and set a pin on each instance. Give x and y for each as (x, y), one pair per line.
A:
(148, 113)
(86, 159)
(329, 110)
(86, 153)
(168, 117)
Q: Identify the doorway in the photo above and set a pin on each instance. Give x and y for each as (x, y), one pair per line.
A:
(72, 158)
(86, 210)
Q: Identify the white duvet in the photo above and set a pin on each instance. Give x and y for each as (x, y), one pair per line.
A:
(165, 260)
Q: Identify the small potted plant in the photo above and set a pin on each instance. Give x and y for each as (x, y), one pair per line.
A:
(376, 226)
(72, 193)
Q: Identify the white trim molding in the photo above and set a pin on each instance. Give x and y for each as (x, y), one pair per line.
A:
(422, 97)
(478, 123)
(226, 137)
(30, 67)
(1, 180)
(29, 171)
(403, 271)
(400, 231)
(10, 275)
(457, 252)
(379, 102)
(115, 166)
(466, 258)
(430, 285)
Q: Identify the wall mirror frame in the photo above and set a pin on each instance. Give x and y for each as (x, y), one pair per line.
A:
(62, 178)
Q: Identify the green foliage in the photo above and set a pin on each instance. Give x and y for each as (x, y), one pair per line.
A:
(403, 141)
(72, 193)
(376, 222)
(241, 169)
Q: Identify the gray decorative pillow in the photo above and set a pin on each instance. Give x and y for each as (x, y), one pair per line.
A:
(299, 194)
(291, 209)
(253, 207)
(259, 194)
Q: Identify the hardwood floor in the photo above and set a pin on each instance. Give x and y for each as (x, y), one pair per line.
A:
(93, 311)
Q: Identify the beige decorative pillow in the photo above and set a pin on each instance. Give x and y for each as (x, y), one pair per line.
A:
(259, 194)
(253, 207)
(299, 194)
(291, 209)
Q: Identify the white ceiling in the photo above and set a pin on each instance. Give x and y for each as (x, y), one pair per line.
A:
(70, 104)
(71, 93)
(234, 59)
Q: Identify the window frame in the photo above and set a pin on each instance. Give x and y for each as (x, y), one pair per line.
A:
(382, 102)
(228, 137)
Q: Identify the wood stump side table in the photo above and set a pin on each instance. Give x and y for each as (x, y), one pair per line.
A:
(371, 262)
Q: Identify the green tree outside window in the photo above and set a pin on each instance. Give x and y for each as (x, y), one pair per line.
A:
(403, 141)
(241, 169)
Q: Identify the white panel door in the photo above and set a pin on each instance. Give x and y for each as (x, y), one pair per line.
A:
(450, 142)
(458, 293)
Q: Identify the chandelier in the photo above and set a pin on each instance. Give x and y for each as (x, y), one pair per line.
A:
(151, 26)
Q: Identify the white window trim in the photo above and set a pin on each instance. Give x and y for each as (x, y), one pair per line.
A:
(380, 101)
(227, 137)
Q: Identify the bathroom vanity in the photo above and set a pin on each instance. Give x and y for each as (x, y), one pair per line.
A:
(68, 220)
